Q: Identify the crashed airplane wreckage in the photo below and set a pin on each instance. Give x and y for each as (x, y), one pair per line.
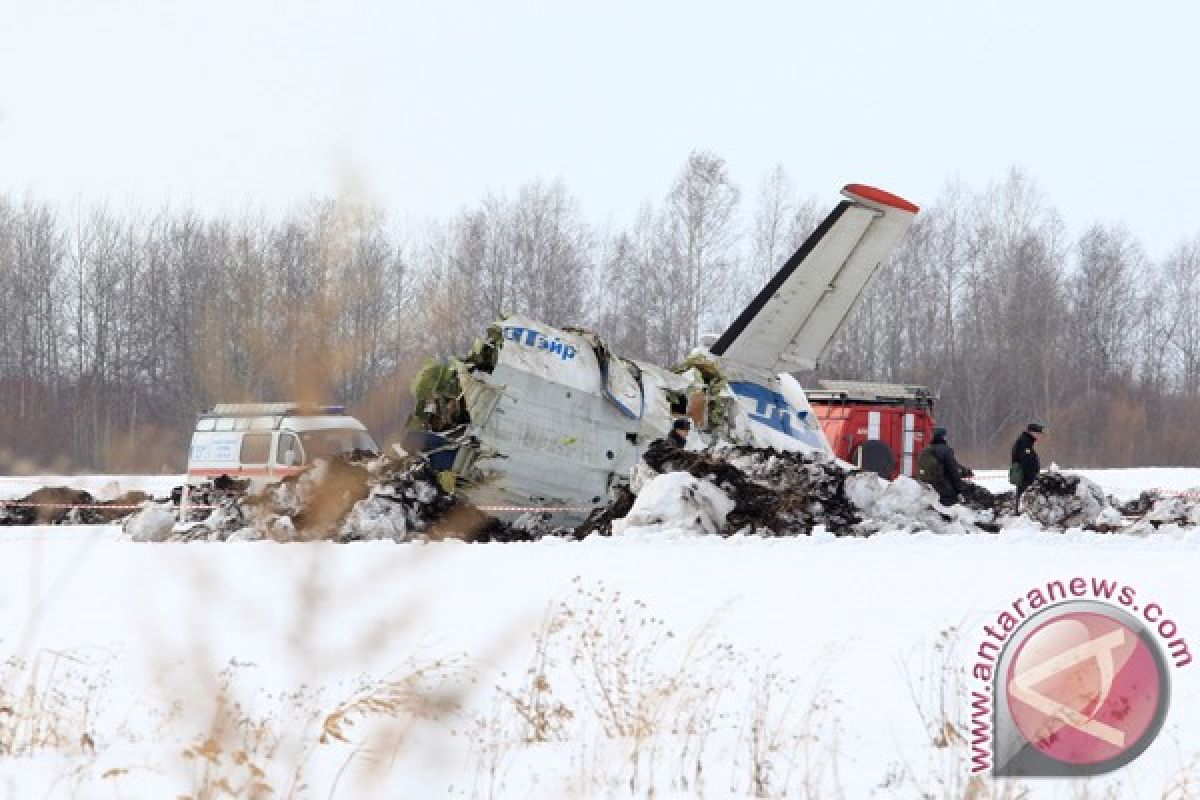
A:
(551, 418)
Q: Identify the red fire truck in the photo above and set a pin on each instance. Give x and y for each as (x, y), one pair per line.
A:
(881, 427)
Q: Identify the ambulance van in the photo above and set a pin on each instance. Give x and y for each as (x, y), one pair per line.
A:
(270, 440)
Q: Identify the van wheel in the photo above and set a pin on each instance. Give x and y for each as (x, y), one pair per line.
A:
(875, 456)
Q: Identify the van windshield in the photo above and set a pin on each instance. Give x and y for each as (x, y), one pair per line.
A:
(324, 444)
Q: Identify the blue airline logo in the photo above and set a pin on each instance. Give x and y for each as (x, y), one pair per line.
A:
(531, 337)
(772, 410)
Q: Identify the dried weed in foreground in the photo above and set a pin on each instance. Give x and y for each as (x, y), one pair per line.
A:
(50, 703)
(421, 690)
(608, 676)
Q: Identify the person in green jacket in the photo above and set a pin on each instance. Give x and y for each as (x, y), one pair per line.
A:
(938, 466)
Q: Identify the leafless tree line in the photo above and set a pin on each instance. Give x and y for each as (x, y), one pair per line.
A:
(118, 326)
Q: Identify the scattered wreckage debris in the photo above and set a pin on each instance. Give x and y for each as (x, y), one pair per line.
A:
(724, 490)
(1152, 510)
(354, 497)
(1061, 500)
(978, 497)
(59, 505)
(774, 493)
(601, 520)
(781, 494)
(1140, 505)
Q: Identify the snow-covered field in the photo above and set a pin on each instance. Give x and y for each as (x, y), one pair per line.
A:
(662, 665)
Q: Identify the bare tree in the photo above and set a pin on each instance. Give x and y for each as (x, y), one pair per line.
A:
(1102, 302)
(1181, 274)
(700, 230)
(551, 249)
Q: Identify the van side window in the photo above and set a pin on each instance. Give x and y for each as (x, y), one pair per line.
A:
(288, 442)
(256, 448)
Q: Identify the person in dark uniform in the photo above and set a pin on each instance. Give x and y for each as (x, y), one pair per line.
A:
(679, 432)
(1025, 462)
(938, 467)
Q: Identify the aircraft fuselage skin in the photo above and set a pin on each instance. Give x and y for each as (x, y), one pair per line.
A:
(558, 420)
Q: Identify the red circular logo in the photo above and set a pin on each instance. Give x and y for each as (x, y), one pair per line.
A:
(1084, 688)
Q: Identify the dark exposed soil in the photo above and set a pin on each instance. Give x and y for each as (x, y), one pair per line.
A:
(46, 506)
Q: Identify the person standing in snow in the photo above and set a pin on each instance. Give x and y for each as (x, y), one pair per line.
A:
(938, 467)
(1025, 462)
(679, 432)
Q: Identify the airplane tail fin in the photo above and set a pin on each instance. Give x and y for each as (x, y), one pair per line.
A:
(790, 323)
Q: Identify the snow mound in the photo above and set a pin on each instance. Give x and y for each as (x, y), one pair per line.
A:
(908, 505)
(677, 501)
(151, 524)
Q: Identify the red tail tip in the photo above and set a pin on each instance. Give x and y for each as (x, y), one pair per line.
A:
(879, 196)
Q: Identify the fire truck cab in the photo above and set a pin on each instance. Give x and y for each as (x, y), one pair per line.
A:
(881, 427)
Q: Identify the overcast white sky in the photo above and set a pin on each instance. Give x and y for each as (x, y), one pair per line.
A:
(224, 103)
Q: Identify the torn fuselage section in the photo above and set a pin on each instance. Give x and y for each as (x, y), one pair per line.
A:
(543, 417)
